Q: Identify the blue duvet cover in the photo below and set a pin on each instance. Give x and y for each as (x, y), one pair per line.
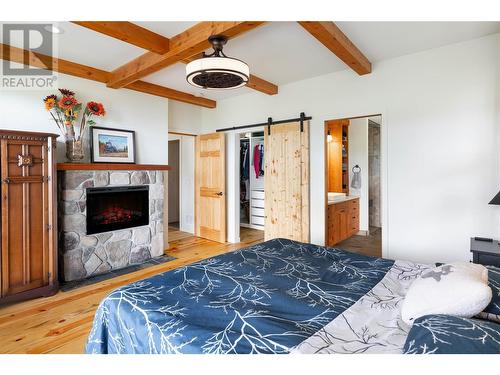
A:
(267, 298)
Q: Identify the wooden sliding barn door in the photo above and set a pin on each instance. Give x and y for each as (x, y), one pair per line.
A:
(287, 181)
(210, 190)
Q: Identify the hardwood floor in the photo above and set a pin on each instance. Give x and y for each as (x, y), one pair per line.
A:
(61, 323)
(370, 245)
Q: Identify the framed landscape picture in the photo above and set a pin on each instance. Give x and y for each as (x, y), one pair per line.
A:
(112, 145)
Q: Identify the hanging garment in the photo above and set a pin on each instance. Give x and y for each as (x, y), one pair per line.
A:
(242, 159)
(247, 189)
(243, 191)
(246, 164)
(356, 177)
(261, 160)
(256, 160)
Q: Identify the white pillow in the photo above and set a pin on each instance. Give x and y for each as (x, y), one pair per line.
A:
(459, 289)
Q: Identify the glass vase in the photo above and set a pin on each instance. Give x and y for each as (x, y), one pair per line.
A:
(74, 150)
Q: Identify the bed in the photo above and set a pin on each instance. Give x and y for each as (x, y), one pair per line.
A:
(279, 296)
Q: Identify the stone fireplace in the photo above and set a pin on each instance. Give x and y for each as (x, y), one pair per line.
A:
(108, 220)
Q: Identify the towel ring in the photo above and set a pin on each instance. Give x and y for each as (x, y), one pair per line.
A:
(356, 169)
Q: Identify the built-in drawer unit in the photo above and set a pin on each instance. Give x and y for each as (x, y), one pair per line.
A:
(257, 211)
(353, 205)
(258, 203)
(258, 194)
(257, 214)
(353, 216)
(257, 220)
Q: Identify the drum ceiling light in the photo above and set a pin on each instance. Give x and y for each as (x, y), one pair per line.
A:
(217, 71)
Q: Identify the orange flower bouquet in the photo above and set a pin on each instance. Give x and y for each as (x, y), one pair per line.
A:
(64, 111)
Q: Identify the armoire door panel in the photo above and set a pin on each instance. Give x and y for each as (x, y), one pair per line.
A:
(25, 216)
(37, 233)
(13, 265)
(10, 156)
(35, 154)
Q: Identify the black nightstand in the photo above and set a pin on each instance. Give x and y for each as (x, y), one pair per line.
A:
(486, 253)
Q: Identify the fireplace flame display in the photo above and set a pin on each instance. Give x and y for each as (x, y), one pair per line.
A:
(117, 208)
(116, 215)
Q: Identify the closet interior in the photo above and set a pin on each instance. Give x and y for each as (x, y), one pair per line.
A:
(252, 195)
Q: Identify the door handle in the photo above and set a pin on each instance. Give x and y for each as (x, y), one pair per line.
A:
(220, 193)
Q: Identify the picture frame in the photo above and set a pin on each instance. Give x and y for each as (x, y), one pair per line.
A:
(108, 145)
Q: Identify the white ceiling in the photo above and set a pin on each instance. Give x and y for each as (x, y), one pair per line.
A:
(280, 52)
(384, 40)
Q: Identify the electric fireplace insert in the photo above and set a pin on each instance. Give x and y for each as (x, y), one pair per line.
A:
(114, 208)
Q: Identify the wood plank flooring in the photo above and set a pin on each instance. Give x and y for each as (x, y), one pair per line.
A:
(370, 245)
(61, 323)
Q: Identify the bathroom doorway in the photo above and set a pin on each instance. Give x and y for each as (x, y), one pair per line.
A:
(353, 214)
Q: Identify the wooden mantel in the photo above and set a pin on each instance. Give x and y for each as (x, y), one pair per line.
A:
(110, 167)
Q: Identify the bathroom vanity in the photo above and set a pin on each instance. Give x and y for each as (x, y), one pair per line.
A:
(342, 219)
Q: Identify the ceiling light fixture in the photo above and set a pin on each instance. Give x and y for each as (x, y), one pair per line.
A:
(217, 71)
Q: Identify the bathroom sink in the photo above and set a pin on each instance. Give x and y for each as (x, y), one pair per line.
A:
(334, 197)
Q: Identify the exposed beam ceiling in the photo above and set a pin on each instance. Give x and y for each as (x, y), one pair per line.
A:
(17, 55)
(336, 41)
(182, 46)
(129, 32)
(254, 82)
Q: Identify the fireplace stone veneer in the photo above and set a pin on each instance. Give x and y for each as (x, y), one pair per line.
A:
(83, 255)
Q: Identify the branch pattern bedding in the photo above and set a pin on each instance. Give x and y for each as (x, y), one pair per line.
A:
(446, 334)
(279, 296)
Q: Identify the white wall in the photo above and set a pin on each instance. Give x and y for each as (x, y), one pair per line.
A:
(440, 138)
(125, 109)
(186, 118)
(358, 155)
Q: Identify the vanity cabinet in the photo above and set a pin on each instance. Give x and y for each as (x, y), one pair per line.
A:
(343, 220)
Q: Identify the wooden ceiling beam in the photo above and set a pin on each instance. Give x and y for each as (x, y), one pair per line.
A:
(151, 88)
(262, 85)
(336, 41)
(14, 54)
(38, 60)
(129, 32)
(184, 45)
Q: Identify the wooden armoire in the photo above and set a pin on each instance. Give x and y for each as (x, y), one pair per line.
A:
(28, 256)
